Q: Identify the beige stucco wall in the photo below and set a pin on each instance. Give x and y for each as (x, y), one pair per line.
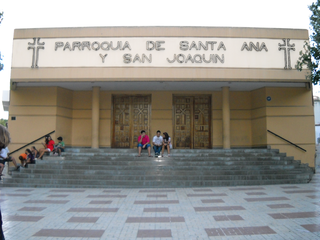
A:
(161, 110)
(35, 111)
(240, 119)
(289, 114)
(39, 110)
(64, 115)
(258, 118)
(81, 118)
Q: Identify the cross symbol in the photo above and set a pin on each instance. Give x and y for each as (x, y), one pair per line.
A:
(286, 46)
(183, 111)
(139, 110)
(35, 46)
(122, 111)
(201, 111)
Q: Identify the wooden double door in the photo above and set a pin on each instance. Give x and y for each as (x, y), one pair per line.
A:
(131, 114)
(192, 121)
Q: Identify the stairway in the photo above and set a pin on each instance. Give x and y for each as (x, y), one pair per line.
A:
(115, 168)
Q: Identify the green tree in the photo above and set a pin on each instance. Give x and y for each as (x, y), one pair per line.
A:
(310, 57)
(1, 18)
(3, 122)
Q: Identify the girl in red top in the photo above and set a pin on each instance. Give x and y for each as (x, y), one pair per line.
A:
(48, 146)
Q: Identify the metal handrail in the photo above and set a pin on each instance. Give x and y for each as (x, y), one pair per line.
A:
(31, 142)
(287, 140)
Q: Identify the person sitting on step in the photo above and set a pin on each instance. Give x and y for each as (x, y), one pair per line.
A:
(23, 158)
(144, 143)
(166, 143)
(5, 158)
(48, 146)
(27, 158)
(35, 152)
(59, 147)
(157, 143)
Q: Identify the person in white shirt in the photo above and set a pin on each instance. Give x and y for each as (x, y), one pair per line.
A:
(166, 143)
(157, 143)
(5, 158)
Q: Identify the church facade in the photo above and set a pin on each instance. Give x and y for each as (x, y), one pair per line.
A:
(207, 87)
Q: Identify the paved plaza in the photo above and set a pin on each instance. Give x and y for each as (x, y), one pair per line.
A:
(250, 212)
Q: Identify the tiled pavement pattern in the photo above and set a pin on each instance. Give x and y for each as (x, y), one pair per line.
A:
(264, 212)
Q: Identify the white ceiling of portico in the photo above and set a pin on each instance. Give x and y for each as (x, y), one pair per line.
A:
(160, 86)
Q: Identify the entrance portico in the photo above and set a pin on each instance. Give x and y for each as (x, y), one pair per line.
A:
(100, 90)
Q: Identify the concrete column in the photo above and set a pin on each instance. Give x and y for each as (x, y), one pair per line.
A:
(95, 116)
(226, 118)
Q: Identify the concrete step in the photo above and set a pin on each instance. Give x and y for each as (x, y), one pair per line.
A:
(144, 161)
(142, 184)
(186, 168)
(164, 159)
(134, 150)
(137, 165)
(172, 175)
(121, 171)
(163, 167)
(69, 178)
(175, 155)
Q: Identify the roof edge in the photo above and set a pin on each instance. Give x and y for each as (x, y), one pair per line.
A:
(158, 31)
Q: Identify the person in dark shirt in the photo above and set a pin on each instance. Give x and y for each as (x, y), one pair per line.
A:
(35, 152)
(29, 159)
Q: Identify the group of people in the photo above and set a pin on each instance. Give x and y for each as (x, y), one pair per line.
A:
(26, 158)
(50, 146)
(30, 155)
(160, 143)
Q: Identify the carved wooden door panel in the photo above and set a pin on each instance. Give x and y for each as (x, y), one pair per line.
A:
(183, 122)
(121, 121)
(192, 122)
(202, 122)
(140, 116)
(131, 114)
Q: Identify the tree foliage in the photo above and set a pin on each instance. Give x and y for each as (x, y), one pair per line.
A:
(1, 18)
(3, 122)
(310, 57)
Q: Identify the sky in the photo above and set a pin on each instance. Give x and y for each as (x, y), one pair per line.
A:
(213, 13)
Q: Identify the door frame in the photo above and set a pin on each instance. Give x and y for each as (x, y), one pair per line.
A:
(131, 140)
(192, 119)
